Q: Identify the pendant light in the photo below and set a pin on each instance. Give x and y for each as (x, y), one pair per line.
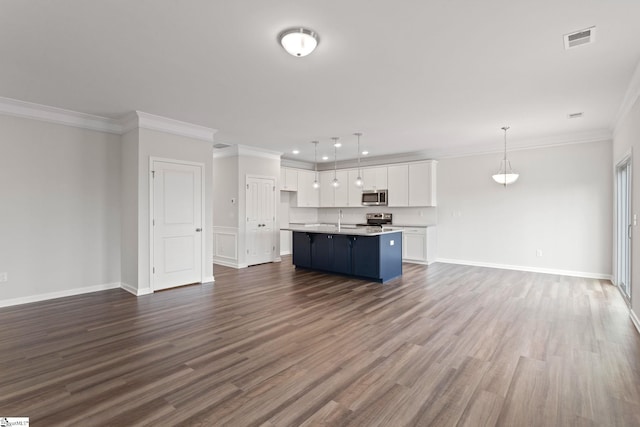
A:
(316, 184)
(359, 182)
(506, 175)
(335, 183)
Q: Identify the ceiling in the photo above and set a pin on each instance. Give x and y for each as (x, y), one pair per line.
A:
(414, 76)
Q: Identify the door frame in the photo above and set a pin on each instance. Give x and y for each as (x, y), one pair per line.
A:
(276, 225)
(627, 159)
(152, 160)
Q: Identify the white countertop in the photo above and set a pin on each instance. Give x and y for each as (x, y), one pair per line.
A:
(347, 229)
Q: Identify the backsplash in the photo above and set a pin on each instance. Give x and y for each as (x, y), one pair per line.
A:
(401, 216)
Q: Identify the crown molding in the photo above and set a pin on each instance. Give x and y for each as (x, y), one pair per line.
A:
(245, 150)
(45, 113)
(124, 124)
(176, 127)
(631, 96)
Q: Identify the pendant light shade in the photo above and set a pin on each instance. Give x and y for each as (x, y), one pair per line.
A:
(316, 184)
(359, 182)
(506, 175)
(335, 183)
(298, 41)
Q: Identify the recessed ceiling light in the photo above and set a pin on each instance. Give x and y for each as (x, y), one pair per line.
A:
(299, 41)
(296, 151)
(337, 144)
(365, 152)
(325, 157)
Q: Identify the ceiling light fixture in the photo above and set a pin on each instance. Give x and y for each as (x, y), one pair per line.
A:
(365, 153)
(359, 182)
(316, 185)
(299, 41)
(506, 175)
(336, 144)
(325, 158)
(296, 151)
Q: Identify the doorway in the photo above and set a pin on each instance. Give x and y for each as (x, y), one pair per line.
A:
(623, 227)
(176, 223)
(261, 217)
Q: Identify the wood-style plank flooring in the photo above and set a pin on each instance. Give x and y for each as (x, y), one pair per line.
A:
(444, 345)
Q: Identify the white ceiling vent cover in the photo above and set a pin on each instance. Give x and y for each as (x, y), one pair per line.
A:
(579, 38)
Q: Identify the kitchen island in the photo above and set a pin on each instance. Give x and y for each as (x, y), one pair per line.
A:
(372, 253)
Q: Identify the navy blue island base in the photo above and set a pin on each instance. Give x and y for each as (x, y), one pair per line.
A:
(375, 257)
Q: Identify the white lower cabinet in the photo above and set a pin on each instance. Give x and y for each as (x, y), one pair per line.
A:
(419, 245)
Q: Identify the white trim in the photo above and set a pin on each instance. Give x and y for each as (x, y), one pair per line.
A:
(635, 320)
(45, 113)
(208, 279)
(59, 294)
(587, 275)
(137, 292)
(176, 127)
(245, 150)
(631, 96)
(202, 167)
(122, 125)
(229, 264)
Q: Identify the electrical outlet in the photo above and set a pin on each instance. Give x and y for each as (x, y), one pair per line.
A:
(3, 277)
(539, 252)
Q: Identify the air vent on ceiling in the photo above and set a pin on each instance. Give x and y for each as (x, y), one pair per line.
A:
(221, 145)
(575, 115)
(579, 38)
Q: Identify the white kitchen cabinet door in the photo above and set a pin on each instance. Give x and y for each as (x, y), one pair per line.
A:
(422, 184)
(288, 179)
(414, 244)
(398, 185)
(355, 193)
(307, 196)
(341, 194)
(375, 178)
(327, 194)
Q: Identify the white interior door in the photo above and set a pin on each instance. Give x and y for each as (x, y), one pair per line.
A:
(261, 214)
(623, 232)
(177, 224)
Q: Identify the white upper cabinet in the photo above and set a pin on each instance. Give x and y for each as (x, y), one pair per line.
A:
(422, 183)
(398, 185)
(327, 195)
(331, 196)
(307, 196)
(341, 194)
(375, 178)
(355, 193)
(288, 179)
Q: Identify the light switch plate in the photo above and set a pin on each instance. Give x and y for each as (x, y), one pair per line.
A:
(3, 277)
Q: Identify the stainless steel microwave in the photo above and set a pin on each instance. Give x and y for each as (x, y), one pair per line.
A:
(374, 198)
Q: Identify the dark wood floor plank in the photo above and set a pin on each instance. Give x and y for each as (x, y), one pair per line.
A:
(274, 346)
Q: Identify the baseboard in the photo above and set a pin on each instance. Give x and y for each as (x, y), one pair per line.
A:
(284, 253)
(586, 275)
(135, 291)
(208, 279)
(635, 320)
(60, 294)
(228, 264)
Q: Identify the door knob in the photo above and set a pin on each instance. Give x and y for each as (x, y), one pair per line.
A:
(198, 230)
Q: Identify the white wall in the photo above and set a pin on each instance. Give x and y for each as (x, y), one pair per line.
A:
(627, 137)
(59, 210)
(561, 205)
(129, 212)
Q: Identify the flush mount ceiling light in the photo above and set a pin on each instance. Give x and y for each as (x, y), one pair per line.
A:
(299, 41)
(506, 175)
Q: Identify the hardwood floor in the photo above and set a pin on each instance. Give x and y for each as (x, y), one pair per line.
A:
(444, 345)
